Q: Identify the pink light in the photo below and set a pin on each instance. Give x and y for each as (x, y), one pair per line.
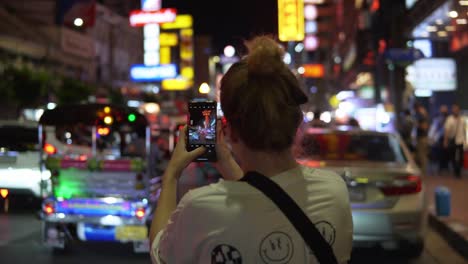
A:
(311, 43)
(310, 12)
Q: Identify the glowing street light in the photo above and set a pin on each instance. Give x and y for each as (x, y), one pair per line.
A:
(229, 51)
(204, 88)
(78, 22)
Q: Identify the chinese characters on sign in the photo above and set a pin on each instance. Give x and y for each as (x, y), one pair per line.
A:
(291, 20)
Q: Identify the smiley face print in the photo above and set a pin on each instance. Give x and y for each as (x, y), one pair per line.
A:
(276, 248)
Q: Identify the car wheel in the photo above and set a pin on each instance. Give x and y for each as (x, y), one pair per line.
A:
(412, 249)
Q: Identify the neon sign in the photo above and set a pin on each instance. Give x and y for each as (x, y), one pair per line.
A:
(144, 73)
(139, 18)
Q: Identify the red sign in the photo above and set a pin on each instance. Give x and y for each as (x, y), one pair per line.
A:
(139, 18)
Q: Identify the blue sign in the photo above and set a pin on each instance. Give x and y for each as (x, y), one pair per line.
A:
(144, 73)
(149, 5)
(403, 55)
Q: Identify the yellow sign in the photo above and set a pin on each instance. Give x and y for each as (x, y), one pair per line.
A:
(164, 55)
(181, 21)
(176, 84)
(187, 72)
(168, 39)
(291, 20)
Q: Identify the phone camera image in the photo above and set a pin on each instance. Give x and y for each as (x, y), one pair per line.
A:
(202, 128)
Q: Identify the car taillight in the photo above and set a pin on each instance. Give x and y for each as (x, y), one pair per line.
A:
(402, 185)
(50, 149)
(49, 208)
(140, 213)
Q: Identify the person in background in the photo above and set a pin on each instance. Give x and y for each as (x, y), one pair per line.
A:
(455, 138)
(422, 142)
(405, 129)
(436, 139)
(231, 221)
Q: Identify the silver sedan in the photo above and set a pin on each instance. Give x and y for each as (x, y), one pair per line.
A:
(385, 185)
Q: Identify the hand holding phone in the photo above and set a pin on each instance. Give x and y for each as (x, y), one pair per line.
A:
(202, 129)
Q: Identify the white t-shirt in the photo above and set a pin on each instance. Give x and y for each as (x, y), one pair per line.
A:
(232, 222)
(457, 124)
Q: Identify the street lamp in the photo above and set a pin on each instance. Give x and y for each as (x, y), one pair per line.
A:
(229, 51)
(204, 88)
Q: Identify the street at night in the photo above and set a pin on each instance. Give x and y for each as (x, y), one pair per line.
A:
(20, 242)
(233, 132)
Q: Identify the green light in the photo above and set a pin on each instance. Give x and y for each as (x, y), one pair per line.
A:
(131, 117)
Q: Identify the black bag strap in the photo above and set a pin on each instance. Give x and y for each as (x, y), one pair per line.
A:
(322, 250)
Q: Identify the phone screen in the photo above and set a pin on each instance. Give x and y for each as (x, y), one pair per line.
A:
(202, 128)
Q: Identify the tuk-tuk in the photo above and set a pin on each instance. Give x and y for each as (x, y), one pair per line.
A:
(100, 159)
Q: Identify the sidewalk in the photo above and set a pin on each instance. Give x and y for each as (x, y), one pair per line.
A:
(453, 228)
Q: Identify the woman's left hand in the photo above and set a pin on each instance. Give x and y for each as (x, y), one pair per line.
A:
(181, 158)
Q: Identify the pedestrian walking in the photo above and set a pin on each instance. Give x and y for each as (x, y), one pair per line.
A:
(405, 128)
(436, 139)
(455, 138)
(422, 142)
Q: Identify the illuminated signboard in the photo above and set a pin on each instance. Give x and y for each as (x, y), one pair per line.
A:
(435, 74)
(291, 20)
(139, 18)
(165, 55)
(143, 73)
(181, 21)
(168, 39)
(313, 70)
(176, 84)
(150, 4)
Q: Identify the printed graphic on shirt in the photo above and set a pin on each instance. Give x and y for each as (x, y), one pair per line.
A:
(225, 254)
(276, 248)
(327, 231)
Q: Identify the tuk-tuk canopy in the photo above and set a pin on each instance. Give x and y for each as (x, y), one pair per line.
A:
(93, 114)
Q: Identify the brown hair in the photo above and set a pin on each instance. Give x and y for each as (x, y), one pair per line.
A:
(260, 97)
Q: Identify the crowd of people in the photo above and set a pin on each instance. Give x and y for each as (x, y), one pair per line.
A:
(437, 144)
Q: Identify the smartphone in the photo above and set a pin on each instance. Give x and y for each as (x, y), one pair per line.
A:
(201, 128)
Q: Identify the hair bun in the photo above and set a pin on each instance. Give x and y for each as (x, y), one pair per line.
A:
(265, 56)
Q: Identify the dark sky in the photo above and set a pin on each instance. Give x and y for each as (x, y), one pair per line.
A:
(229, 21)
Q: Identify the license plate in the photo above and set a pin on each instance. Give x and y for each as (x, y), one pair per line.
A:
(132, 233)
(357, 194)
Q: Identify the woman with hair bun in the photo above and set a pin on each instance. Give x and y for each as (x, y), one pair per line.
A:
(233, 222)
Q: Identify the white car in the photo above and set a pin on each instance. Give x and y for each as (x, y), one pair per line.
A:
(385, 185)
(20, 172)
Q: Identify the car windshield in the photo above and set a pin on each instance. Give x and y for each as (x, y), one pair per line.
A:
(343, 146)
(18, 138)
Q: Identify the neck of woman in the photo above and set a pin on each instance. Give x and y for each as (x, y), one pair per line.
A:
(267, 163)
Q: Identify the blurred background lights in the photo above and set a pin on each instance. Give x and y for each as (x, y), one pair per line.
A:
(204, 88)
(347, 107)
(453, 14)
(299, 47)
(229, 51)
(131, 117)
(152, 108)
(326, 117)
(78, 22)
(287, 58)
(301, 70)
(108, 120)
(309, 116)
(310, 12)
(51, 106)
